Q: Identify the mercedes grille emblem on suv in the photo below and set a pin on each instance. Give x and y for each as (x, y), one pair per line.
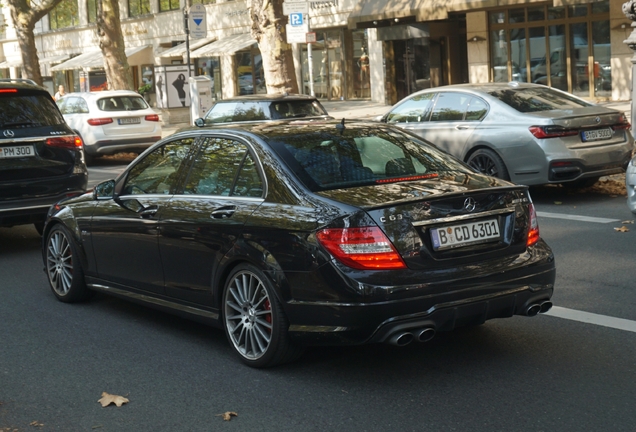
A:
(469, 205)
(8, 134)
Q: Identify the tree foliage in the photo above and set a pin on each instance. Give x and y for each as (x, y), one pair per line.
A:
(268, 28)
(25, 14)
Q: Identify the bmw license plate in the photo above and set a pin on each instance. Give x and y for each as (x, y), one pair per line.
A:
(16, 152)
(129, 120)
(465, 234)
(597, 134)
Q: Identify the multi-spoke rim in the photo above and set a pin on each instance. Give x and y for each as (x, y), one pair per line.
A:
(59, 263)
(484, 164)
(248, 315)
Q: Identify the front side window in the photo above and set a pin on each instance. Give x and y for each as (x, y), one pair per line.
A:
(224, 167)
(168, 5)
(158, 171)
(415, 109)
(64, 15)
(138, 7)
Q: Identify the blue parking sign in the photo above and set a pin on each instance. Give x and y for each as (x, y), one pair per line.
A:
(296, 19)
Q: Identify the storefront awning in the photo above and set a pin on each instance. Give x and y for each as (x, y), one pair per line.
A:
(227, 45)
(93, 59)
(180, 50)
(55, 59)
(10, 63)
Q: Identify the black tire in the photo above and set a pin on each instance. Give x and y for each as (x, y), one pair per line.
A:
(254, 321)
(488, 162)
(63, 267)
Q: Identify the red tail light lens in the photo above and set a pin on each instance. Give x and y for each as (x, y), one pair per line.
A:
(543, 132)
(533, 232)
(9, 90)
(364, 248)
(68, 142)
(622, 123)
(152, 117)
(99, 121)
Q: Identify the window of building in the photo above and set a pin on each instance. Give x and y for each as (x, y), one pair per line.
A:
(563, 47)
(327, 65)
(250, 73)
(139, 7)
(65, 14)
(91, 6)
(168, 5)
(203, 1)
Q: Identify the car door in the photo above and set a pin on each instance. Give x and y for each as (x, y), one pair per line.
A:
(205, 219)
(124, 230)
(447, 127)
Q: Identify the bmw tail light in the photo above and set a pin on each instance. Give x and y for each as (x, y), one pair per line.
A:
(152, 117)
(99, 121)
(366, 248)
(533, 232)
(622, 123)
(68, 142)
(543, 132)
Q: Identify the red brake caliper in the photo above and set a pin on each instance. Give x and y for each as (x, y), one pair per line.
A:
(268, 307)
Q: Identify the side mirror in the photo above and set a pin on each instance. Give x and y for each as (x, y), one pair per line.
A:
(199, 122)
(104, 190)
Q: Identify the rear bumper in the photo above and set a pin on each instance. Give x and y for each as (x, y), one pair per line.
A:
(104, 147)
(448, 305)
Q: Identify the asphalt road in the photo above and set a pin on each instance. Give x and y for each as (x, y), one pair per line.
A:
(545, 373)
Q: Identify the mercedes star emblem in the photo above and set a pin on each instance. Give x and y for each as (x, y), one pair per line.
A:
(469, 204)
(8, 134)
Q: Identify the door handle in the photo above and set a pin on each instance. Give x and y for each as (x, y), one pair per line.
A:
(462, 127)
(223, 212)
(149, 211)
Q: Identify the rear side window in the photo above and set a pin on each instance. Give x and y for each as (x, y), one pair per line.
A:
(476, 110)
(450, 107)
(296, 109)
(73, 105)
(28, 110)
(538, 99)
(122, 103)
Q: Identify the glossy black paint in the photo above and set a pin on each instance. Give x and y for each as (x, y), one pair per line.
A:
(178, 256)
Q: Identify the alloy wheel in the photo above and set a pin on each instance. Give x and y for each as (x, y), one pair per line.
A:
(59, 263)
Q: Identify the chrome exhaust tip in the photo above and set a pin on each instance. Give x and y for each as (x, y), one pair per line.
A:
(401, 339)
(545, 306)
(425, 335)
(533, 310)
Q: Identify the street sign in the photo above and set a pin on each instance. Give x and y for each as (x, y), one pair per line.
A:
(311, 37)
(290, 7)
(197, 21)
(297, 34)
(296, 19)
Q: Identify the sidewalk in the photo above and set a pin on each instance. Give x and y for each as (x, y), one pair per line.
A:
(367, 110)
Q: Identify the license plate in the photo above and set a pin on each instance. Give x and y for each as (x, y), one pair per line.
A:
(16, 152)
(465, 234)
(129, 120)
(597, 134)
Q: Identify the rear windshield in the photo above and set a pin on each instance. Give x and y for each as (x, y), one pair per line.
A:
(234, 111)
(527, 100)
(327, 159)
(28, 111)
(122, 103)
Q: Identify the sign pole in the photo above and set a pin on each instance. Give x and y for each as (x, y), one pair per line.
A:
(186, 19)
(310, 63)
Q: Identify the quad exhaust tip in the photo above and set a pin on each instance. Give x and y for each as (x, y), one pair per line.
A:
(404, 338)
(537, 308)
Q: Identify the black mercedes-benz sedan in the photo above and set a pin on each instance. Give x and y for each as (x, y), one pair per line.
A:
(304, 233)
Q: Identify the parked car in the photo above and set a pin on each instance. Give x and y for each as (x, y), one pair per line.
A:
(40, 156)
(263, 107)
(527, 133)
(111, 121)
(630, 183)
(289, 234)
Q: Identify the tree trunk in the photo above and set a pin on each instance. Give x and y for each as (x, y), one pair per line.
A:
(268, 28)
(111, 42)
(24, 15)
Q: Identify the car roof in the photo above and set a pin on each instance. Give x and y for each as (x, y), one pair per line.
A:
(483, 88)
(269, 97)
(20, 83)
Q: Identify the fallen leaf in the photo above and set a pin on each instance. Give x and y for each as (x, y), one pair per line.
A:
(108, 399)
(227, 416)
(36, 423)
(558, 202)
(628, 222)
(622, 229)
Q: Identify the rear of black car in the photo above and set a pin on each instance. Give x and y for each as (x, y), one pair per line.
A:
(41, 158)
(422, 244)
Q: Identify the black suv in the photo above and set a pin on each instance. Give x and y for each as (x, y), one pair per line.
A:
(265, 107)
(41, 160)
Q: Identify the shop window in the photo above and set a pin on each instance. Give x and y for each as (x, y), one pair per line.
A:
(169, 5)
(499, 55)
(577, 11)
(91, 6)
(203, 1)
(138, 7)
(536, 14)
(250, 73)
(602, 68)
(516, 16)
(556, 13)
(360, 65)
(211, 67)
(65, 14)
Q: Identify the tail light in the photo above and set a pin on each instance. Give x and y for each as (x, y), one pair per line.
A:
(152, 117)
(533, 232)
(67, 142)
(543, 132)
(8, 90)
(99, 121)
(365, 248)
(622, 123)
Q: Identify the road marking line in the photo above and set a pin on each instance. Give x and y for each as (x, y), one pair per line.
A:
(576, 218)
(591, 318)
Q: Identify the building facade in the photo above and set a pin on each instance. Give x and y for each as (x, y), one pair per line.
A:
(379, 50)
